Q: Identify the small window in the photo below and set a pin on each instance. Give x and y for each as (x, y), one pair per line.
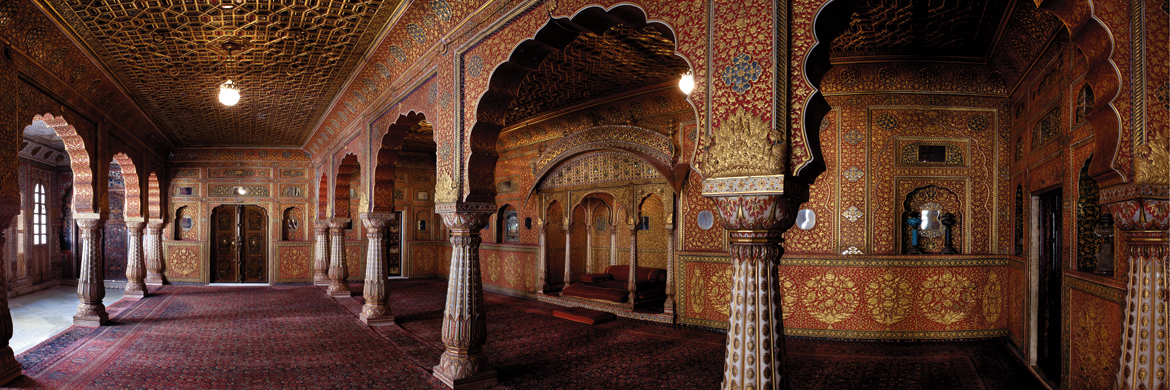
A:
(932, 153)
(40, 217)
(186, 191)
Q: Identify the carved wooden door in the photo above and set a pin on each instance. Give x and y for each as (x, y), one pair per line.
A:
(225, 244)
(393, 246)
(1048, 318)
(239, 245)
(254, 234)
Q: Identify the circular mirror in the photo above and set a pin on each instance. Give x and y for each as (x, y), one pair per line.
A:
(806, 219)
(706, 220)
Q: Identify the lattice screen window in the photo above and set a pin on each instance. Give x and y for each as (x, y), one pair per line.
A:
(40, 219)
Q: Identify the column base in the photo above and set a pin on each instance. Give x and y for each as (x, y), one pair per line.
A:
(135, 291)
(668, 306)
(154, 281)
(321, 280)
(339, 290)
(375, 315)
(473, 381)
(90, 315)
(9, 367)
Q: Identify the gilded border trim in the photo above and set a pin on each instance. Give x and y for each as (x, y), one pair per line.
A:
(863, 262)
(1108, 293)
(887, 335)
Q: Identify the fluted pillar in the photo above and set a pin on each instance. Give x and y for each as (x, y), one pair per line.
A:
(463, 364)
(613, 244)
(9, 366)
(755, 338)
(152, 252)
(588, 247)
(338, 273)
(668, 306)
(90, 284)
(321, 253)
(568, 253)
(632, 282)
(375, 312)
(542, 276)
(135, 267)
(1144, 225)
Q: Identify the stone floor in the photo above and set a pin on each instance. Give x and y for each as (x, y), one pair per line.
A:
(40, 315)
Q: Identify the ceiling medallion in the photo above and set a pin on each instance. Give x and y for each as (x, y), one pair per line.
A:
(229, 95)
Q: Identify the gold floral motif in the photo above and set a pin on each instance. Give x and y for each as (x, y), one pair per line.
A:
(293, 264)
(446, 189)
(743, 145)
(1095, 368)
(788, 296)
(889, 298)
(947, 298)
(183, 261)
(830, 298)
(992, 298)
(1150, 160)
(713, 287)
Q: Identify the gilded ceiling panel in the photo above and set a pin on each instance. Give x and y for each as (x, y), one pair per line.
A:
(289, 58)
(917, 28)
(595, 66)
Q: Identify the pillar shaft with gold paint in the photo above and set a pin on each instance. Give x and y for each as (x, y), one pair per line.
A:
(321, 254)
(338, 273)
(1145, 243)
(152, 252)
(463, 364)
(375, 312)
(135, 268)
(90, 284)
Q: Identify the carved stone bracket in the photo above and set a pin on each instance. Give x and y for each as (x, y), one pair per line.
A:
(463, 364)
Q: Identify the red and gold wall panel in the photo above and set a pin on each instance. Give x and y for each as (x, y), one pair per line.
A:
(1092, 336)
(507, 267)
(355, 261)
(184, 262)
(425, 258)
(294, 262)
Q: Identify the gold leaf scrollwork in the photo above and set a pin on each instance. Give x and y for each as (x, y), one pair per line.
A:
(889, 298)
(743, 145)
(830, 298)
(992, 298)
(446, 189)
(788, 293)
(1151, 161)
(947, 298)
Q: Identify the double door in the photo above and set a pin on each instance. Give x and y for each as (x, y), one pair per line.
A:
(239, 249)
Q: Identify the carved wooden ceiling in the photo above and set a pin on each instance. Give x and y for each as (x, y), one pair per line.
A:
(963, 30)
(288, 57)
(593, 66)
(420, 139)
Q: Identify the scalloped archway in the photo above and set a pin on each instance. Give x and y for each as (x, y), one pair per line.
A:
(78, 161)
(387, 161)
(133, 196)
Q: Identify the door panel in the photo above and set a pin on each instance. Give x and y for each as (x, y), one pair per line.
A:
(1048, 319)
(239, 244)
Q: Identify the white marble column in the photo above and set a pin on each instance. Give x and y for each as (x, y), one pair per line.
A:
(90, 282)
(613, 244)
(568, 228)
(632, 282)
(463, 364)
(135, 268)
(375, 312)
(542, 282)
(1145, 246)
(588, 247)
(338, 273)
(152, 252)
(668, 306)
(321, 253)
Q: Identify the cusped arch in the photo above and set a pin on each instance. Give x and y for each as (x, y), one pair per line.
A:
(133, 196)
(153, 197)
(345, 171)
(507, 78)
(386, 161)
(323, 197)
(78, 161)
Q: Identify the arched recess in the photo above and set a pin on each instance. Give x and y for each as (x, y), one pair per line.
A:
(507, 78)
(1086, 32)
(648, 145)
(345, 171)
(153, 197)
(386, 161)
(292, 225)
(133, 195)
(555, 241)
(78, 161)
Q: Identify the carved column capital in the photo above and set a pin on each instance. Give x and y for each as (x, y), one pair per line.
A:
(466, 221)
(321, 226)
(338, 224)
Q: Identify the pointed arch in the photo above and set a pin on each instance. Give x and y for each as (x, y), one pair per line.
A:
(153, 197)
(507, 78)
(345, 171)
(323, 197)
(78, 161)
(133, 196)
(386, 161)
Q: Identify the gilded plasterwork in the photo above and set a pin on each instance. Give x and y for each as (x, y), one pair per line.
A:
(947, 298)
(743, 145)
(830, 298)
(889, 298)
(599, 168)
(992, 298)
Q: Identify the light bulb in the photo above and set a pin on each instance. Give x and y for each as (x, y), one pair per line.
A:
(687, 83)
(228, 94)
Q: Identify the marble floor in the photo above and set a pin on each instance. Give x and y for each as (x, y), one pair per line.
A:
(40, 315)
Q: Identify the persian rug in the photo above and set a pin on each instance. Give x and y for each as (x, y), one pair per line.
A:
(227, 338)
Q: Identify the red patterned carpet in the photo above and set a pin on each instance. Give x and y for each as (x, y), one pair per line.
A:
(297, 337)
